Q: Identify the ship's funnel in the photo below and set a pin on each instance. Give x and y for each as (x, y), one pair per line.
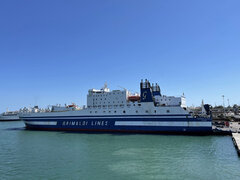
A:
(156, 90)
(146, 91)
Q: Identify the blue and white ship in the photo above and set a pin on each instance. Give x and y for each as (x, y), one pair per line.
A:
(120, 111)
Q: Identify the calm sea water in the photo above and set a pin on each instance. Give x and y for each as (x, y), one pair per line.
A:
(58, 155)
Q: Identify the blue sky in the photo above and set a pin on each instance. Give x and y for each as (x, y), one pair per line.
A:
(53, 51)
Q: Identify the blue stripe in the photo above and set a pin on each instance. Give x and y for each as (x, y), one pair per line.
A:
(158, 129)
(109, 125)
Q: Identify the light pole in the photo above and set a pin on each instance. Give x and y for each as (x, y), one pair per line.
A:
(223, 105)
(223, 101)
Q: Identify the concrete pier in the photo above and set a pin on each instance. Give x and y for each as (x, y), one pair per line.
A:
(236, 141)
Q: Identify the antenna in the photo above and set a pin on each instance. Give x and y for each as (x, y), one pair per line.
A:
(105, 85)
(122, 88)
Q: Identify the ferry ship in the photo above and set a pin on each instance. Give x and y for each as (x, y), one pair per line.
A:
(14, 115)
(10, 116)
(123, 112)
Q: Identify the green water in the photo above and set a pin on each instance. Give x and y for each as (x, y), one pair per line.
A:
(58, 155)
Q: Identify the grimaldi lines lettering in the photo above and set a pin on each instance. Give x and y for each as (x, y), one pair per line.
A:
(85, 123)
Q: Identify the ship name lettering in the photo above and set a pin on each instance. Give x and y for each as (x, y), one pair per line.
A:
(99, 123)
(84, 123)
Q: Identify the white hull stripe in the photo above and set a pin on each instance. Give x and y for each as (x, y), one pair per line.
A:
(51, 123)
(136, 117)
(159, 123)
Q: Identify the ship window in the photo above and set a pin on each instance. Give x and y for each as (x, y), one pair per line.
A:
(124, 111)
(136, 111)
(90, 111)
(146, 111)
(95, 111)
(115, 111)
(155, 111)
(109, 111)
(104, 111)
(168, 111)
(139, 104)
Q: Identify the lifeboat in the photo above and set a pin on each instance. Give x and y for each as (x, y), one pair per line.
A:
(133, 98)
(72, 105)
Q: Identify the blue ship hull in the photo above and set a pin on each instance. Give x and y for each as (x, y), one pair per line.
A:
(141, 124)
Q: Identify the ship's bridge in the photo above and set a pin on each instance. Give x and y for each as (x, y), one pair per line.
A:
(104, 98)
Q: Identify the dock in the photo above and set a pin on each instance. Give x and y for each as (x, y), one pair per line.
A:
(236, 141)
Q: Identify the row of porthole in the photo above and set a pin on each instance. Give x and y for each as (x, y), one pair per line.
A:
(168, 111)
(105, 106)
(105, 94)
(104, 111)
(102, 99)
(108, 102)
